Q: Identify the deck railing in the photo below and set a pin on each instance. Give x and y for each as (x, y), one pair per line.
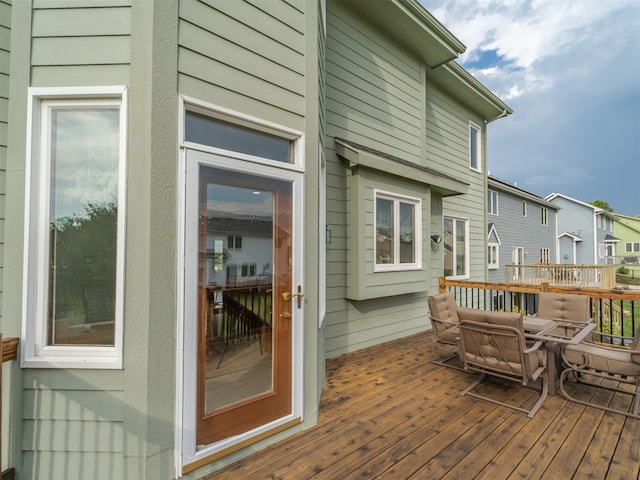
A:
(615, 311)
(8, 351)
(557, 274)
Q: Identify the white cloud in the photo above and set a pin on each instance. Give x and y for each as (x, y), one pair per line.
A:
(570, 69)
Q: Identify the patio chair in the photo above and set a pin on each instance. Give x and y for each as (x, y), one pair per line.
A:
(613, 364)
(493, 343)
(564, 306)
(445, 323)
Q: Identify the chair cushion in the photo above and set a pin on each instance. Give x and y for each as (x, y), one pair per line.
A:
(564, 306)
(443, 307)
(611, 360)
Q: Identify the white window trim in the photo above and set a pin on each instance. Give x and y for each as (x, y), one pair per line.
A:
(496, 264)
(478, 159)
(417, 228)
(35, 353)
(544, 216)
(493, 205)
(467, 263)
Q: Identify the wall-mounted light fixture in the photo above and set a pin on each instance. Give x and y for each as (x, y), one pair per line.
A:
(435, 238)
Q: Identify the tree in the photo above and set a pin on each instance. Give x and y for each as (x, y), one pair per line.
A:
(601, 204)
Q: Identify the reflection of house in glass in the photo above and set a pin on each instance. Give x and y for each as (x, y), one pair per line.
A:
(239, 250)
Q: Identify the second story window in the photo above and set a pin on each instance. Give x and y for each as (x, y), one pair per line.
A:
(397, 232)
(234, 242)
(543, 216)
(492, 202)
(475, 148)
(524, 208)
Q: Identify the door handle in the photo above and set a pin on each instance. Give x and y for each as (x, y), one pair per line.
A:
(289, 296)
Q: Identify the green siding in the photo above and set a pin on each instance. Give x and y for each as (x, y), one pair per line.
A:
(5, 48)
(243, 56)
(74, 425)
(448, 150)
(373, 88)
(374, 97)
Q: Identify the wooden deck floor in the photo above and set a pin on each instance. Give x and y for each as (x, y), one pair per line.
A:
(387, 412)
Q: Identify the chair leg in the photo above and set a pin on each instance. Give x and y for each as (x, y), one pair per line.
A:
(636, 401)
(530, 413)
(444, 362)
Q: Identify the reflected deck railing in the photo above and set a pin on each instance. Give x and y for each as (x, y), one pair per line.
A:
(566, 275)
(615, 311)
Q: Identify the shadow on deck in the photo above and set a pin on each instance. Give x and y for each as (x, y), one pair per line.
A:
(387, 412)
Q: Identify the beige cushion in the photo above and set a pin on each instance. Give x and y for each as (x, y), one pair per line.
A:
(564, 306)
(604, 359)
(489, 351)
(443, 307)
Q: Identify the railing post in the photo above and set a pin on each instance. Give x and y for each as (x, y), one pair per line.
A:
(441, 286)
(544, 287)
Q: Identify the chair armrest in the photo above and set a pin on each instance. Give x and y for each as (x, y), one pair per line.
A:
(536, 346)
(444, 322)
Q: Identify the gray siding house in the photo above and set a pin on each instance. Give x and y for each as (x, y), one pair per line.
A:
(585, 232)
(202, 200)
(521, 228)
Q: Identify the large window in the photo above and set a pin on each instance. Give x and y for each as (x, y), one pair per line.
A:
(456, 246)
(75, 228)
(475, 148)
(397, 232)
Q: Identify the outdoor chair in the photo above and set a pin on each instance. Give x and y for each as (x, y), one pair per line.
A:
(564, 306)
(445, 323)
(493, 343)
(614, 365)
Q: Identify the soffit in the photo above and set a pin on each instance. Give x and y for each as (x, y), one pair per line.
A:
(361, 156)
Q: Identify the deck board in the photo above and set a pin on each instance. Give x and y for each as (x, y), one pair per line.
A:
(388, 412)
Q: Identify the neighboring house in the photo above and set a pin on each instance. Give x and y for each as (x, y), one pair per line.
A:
(521, 229)
(585, 232)
(295, 158)
(627, 229)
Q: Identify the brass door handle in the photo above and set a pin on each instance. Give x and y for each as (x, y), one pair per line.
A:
(289, 296)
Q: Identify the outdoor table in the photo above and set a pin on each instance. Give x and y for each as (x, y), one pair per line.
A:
(553, 332)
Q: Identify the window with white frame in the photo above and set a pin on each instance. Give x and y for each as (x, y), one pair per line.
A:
(492, 256)
(397, 232)
(492, 202)
(524, 208)
(456, 247)
(632, 247)
(74, 256)
(475, 148)
(544, 216)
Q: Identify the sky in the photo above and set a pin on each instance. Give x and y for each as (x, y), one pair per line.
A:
(570, 70)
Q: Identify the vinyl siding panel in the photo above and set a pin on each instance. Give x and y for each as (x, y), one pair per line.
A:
(447, 140)
(516, 230)
(577, 219)
(248, 57)
(374, 89)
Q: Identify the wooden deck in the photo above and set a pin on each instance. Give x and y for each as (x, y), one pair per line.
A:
(387, 412)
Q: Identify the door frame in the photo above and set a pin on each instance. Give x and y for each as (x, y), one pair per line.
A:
(188, 455)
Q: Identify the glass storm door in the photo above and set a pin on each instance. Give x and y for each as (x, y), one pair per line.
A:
(245, 298)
